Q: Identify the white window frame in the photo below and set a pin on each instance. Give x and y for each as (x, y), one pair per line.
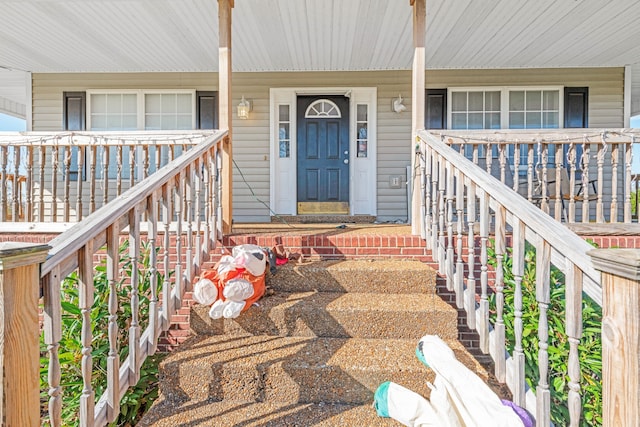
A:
(504, 100)
(140, 108)
(504, 107)
(140, 101)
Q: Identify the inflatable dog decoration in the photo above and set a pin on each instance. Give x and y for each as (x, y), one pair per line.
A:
(237, 281)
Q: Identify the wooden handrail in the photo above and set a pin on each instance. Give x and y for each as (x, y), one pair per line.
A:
(571, 246)
(458, 195)
(597, 161)
(167, 196)
(70, 241)
(96, 161)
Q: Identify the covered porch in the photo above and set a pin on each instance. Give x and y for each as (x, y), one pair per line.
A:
(170, 197)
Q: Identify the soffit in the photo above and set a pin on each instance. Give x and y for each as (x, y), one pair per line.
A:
(13, 93)
(305, 35)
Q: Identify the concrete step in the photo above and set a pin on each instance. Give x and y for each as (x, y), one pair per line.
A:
(339, 315)
(375, 276)
(293, 370)
(264, 414)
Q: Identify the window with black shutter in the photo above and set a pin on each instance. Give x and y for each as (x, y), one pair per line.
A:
(74, 118)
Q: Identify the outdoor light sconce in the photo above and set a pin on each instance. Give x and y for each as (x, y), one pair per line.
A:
(397, 105)
(243, 109)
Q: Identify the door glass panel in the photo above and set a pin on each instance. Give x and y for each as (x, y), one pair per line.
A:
(284, 138)
(362, 124)
(362, 112)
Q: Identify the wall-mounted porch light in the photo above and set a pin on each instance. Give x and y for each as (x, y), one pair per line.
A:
(243, 108)
(397, 105)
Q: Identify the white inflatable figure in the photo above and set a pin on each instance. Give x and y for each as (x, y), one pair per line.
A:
(405, 406)
(237, 282)
(473, 400)
(250, 257)
(205, 292)
(232, 309)
(238, 290)
(226, 264)
(459, 398)
(215, 312)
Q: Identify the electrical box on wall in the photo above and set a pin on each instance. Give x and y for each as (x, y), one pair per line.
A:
(396, 181)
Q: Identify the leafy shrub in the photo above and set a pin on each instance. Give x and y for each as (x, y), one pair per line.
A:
(590, 347)
(139, 397)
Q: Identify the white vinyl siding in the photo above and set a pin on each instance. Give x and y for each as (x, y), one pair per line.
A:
(251, 148)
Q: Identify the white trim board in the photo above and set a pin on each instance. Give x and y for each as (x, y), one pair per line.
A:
(363, 170)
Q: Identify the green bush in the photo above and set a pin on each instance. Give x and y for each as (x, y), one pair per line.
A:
(141, 396)
(590, 347)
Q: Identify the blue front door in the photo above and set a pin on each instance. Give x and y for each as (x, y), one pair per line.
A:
(323, 154)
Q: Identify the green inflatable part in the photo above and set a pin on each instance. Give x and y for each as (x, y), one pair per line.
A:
(380, 400)
(420, 355)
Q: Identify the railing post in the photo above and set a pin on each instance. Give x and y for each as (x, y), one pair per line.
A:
(226, 112)
(417, 106)
(19, 333)
(620, 335)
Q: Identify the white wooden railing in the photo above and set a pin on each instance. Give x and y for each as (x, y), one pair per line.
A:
(65, 176)
(576, 175)
(462, 207)
(177, 212)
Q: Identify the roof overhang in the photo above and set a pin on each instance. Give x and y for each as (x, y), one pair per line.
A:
(294, 35)
(45, 36)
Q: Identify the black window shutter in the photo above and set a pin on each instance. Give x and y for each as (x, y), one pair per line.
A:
(74, 118)
(74, 110)
(206, 110)
(576, 115)
(436, 109)
(576, 107)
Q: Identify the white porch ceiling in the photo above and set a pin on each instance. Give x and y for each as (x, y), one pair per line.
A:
(300, 35)
(13, 93)
(307, 35)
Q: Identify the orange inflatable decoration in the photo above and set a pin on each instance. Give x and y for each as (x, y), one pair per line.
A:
(234, 284)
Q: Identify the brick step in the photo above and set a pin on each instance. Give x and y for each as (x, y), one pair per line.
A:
(339, 315)
(262, 414)
(379, 242)
(293, 370)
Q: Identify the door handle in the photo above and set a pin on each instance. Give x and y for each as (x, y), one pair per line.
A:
(346, 161)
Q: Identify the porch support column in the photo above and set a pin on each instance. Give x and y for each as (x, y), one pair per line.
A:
(226, 110)
(417, 107)
(620, 335)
